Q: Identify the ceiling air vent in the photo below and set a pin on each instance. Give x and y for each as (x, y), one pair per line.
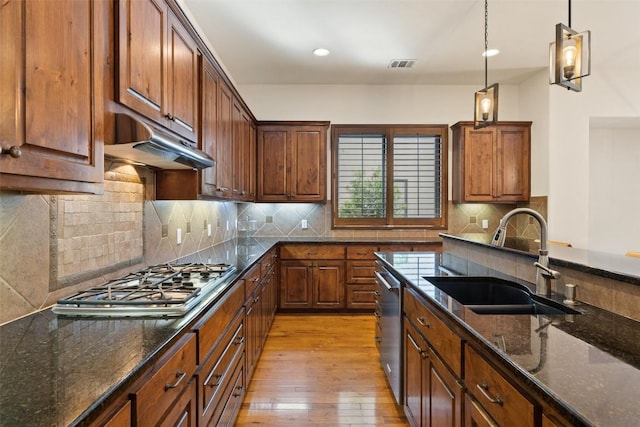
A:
(401, 63)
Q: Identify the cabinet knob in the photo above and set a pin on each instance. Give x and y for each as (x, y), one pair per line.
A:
(169, 117)
(14, 152)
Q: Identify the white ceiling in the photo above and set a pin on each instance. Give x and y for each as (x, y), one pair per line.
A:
(271, 41)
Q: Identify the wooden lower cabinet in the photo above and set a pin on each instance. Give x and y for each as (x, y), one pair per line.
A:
(433, 396)
(499, 398)
(312, 284)
(155, 401)
(183, 412)
(474, 415)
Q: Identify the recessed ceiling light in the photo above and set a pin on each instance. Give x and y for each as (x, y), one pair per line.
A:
(490, 52)
(321, 52)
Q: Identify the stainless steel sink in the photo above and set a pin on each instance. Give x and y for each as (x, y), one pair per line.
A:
(490, 295)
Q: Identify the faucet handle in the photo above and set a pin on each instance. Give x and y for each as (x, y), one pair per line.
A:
(547, 272)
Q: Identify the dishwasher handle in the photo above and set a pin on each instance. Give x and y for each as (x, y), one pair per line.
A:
(390, 283)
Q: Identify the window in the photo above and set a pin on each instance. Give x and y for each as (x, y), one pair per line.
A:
(389, 176)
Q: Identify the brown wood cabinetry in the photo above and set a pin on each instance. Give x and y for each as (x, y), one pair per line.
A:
(312, 277)
(161, 396)
(292, 161)
(492, 164)
(260, 306)
(158, 65)
(433, 391)
(499, 398)
(52, 95)
(474, 415)
(244, 154)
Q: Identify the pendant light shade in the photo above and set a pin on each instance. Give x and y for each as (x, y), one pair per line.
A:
(485, 105)
(569, 56)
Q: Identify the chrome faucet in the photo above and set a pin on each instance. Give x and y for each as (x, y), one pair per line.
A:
(544, 274)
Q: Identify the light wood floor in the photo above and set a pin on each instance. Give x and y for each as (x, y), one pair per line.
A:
(320, 370)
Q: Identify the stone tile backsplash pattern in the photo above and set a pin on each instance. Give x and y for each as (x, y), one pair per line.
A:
(284, 220)
(53, 246)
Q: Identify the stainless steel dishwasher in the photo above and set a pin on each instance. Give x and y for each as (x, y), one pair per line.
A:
(391, 325)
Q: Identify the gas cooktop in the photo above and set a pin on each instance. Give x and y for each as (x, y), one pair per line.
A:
(166, 290)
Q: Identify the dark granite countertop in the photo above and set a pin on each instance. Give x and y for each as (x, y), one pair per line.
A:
(587, 365)
(56, 370)
(612, 266)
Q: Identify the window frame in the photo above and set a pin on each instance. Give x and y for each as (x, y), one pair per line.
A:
(389, 222)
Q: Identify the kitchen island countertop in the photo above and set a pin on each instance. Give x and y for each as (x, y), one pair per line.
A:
(587, 365)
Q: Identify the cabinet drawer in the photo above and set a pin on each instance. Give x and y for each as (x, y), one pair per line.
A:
(217, 369)
(312, 252)
(444, 341)
(361, 252)
(361, 272)
(506, 405)
(173, 371)
(361, 296)
(267, 264)
(211, 327)
(251, 279)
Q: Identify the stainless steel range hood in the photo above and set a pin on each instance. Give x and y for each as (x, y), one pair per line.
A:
(139, 142)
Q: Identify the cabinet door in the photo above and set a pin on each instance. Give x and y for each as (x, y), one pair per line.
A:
(142, 52)
(295, 284)
(224, 159)
(475, 416)
(182, 80)
(273, 156)
(415, 380)
(51, 77)
(445, 395)
(328, 284)
(513, 163)
(308, 164)
(183, 413)
(478, 164)
(209, 124)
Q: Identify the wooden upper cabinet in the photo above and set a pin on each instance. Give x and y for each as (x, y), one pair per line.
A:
(209, 119)
(292, 162)
(224, 158)
(158, 65)
(51, 95)
(492, 164)
(243, 153)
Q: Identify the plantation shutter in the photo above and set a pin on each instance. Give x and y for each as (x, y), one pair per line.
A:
(416, 176)
(361, 176)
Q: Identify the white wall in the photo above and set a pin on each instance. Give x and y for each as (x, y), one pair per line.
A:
(614, 165)
(534, 106)
(608, 92)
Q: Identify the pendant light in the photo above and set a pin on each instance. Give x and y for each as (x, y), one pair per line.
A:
(569, 56)
(485, 111)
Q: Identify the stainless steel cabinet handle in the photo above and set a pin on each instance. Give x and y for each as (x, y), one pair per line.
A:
(484, 389)
(424, 323)
(180, 375)
(14, 152)
(239, 340)
(218, 377)
(169, 117)
(238, 393)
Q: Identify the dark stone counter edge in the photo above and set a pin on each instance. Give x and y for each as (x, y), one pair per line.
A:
(596, 271)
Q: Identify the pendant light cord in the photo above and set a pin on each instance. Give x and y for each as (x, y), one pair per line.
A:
(569, 13)
(486, 39)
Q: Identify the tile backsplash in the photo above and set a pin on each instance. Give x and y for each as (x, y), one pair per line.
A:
(53, 246)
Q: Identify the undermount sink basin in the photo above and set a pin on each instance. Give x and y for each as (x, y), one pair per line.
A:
(490, 295)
